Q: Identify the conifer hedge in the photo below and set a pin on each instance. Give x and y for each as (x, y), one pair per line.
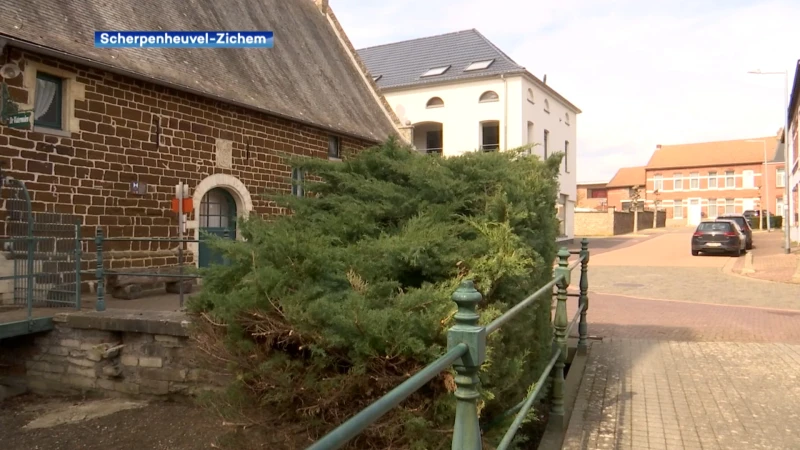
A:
(330, 307)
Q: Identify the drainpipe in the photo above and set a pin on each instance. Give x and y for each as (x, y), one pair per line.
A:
(505, 112)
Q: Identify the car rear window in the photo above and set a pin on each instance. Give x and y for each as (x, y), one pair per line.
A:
(714, 226)
(739, 221)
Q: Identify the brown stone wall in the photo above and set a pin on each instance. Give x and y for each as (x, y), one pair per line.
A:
(600, 223)
(126, 130)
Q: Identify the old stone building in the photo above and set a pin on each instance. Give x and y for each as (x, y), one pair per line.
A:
(115, 130)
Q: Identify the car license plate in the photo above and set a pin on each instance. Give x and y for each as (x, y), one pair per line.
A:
(714, 244)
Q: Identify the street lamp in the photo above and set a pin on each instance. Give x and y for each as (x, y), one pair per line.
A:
(766, 184)
(787, 245)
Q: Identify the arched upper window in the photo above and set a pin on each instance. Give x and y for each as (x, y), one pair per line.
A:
(546, 105)
(530, 95)
(489, 96)
(435, 102)
(566, 118)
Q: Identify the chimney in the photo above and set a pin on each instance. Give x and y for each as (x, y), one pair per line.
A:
(322, 5)
(544, 80)
(658, 146)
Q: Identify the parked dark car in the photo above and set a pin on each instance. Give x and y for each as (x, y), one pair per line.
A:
(744, 224)
(718, 236)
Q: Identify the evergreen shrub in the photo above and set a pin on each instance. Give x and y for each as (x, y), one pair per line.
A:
(331, 306)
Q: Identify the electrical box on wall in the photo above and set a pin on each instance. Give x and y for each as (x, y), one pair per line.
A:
(138, 187)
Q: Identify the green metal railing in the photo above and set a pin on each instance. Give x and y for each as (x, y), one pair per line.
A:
(100, 272)
(466, 342)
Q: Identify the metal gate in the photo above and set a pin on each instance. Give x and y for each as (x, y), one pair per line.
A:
(44, 249)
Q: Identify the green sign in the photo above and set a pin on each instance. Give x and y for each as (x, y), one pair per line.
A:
(19, 120)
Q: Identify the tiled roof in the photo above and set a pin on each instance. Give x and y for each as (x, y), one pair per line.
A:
(627, 177)
(718, 153)
(402, 64)
(308, 76)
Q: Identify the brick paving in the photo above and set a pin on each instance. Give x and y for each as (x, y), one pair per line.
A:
(770, 261)
(682, 373)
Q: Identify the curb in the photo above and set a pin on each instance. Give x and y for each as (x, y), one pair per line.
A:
(727, 269)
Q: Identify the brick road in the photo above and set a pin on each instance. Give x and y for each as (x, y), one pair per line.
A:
(686, 374)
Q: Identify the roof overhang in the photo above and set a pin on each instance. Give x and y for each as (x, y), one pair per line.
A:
(55, 53)
(794, 96)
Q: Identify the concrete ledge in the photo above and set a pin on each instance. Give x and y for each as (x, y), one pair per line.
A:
(556, 430)
(170, 323)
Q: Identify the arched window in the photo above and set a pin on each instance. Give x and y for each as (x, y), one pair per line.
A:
(489, 96)
(566, 118)
(530, 95)
(546, 105)
(435, 102)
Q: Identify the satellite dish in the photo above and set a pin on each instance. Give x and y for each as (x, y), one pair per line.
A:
(10, 70)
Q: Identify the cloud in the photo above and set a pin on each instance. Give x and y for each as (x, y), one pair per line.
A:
(644, 73)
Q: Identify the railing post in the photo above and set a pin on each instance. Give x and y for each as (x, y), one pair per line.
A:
(78, 260)
(560, 325)
(583, 300)
(101, 301)
(466, 431)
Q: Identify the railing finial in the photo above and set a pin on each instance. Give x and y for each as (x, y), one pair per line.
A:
(466, 431)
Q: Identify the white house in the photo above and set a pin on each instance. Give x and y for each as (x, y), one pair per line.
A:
(461, 93)
(794, 155)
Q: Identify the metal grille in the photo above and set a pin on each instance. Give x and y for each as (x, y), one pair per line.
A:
(44, 248)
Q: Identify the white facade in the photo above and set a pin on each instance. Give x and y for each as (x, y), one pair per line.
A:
(520, 112)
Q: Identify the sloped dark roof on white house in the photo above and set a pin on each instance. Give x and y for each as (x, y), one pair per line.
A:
(402, 64)
(308, 76)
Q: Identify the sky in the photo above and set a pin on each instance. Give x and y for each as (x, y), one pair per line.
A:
(643, 73)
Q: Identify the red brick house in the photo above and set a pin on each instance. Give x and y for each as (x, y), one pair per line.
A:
(592, 195)
(621, 188)
(693, 181)
(221, 120)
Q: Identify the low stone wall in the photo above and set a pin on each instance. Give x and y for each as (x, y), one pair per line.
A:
(613, 223)
(139, 353)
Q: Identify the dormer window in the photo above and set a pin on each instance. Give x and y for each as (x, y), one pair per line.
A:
(377, 77)
(436, 71)
(479, 65)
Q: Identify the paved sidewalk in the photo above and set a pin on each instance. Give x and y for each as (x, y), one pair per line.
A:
(768, 261)
(651, 394)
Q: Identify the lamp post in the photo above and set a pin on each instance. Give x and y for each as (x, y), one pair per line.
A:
(766, 185)
(787, 245)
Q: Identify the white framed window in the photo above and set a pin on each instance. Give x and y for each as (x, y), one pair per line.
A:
(712, 180)
(748, 179)
(530, 95)
(694, 180)
(566, 156)
(297, 179)
(677, 182)
(489, 96)
(435, 102)
(677, 209)
(712, 208)
(730, 206)
(479, 65)
(779, 206)
(566, 118)
(546, 105)
(780, 178)
(730, 179)
(658, 183)
(530, 137)
(435, 71)
(546, 138)
(490, 136)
